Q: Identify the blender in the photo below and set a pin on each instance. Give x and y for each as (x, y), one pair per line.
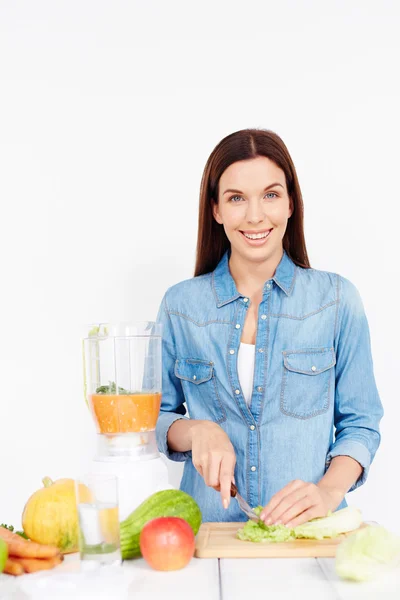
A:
(122, 383)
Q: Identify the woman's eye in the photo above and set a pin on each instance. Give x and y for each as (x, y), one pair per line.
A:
(236, 199)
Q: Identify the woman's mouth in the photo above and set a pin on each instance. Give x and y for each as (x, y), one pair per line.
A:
(256, 238)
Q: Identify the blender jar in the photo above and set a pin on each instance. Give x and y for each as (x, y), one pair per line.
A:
(122, 380)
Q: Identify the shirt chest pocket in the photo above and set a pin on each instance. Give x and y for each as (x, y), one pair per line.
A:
(200, 389)
(307, 381)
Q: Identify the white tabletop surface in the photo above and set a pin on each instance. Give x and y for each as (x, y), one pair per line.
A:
(202, 579)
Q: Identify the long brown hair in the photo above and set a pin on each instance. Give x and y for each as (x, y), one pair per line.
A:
(212, 242)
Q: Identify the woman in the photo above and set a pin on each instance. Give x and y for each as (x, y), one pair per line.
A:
(271, 357)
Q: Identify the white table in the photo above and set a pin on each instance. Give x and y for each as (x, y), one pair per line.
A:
(229, 579)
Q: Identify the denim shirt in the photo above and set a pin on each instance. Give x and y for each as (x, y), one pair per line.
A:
(314, 394)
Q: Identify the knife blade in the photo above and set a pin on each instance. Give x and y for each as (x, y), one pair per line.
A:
(243, 505)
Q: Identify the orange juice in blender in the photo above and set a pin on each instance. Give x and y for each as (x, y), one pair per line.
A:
(123, 386)
(125, 412)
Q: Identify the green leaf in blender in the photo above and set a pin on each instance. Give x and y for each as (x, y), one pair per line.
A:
(111, 388)
(94, 331)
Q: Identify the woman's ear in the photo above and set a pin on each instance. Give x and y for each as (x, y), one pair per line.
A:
(216, 214)
(291, 207)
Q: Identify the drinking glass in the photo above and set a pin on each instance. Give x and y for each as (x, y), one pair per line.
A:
(97, 503)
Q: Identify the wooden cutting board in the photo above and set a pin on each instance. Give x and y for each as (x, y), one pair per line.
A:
(218, 540)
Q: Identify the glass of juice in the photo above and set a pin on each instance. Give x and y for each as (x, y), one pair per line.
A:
(97, 503)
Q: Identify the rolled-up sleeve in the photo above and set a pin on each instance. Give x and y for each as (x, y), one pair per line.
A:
(172, 402)
(358, 408)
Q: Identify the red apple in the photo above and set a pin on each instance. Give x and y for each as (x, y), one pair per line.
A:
(167, 543)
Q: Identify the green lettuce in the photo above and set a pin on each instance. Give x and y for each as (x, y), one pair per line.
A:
(342, 521)
(259, 532)
(367, 553)
(334, 524)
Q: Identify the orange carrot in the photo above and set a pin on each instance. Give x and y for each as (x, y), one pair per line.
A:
(8, 536)
(31, 565)
(13, 568)
(32, 550)
(18, 546)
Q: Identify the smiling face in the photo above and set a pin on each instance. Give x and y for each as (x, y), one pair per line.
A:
(254, 208)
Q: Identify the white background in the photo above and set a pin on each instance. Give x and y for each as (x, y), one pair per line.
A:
(108, 113)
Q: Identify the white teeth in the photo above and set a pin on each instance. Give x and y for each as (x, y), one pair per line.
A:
(256, 236)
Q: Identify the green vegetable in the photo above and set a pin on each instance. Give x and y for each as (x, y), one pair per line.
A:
(167, 503)
(3, 554)
(111, 389)
(367, 553)
(258, 532)
(94, 331)
(342, 521)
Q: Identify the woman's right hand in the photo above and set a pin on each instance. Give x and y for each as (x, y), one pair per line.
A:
(213, 457)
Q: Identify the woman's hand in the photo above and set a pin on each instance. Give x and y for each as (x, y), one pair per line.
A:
(213, 457)
(298, 502)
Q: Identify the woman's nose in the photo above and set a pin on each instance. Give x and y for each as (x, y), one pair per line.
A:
(255, 213)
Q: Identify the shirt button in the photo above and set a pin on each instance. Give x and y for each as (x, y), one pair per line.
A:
(194, 377)
(269, 286)
(259, 389)
(231, 352)
(261, 349)
(237, 326)
(263, 317)
(313, 368)
(237, 392)
(252, 427)
(245, 299)
(253, 468)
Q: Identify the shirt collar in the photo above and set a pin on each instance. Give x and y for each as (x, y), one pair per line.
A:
(224, 286)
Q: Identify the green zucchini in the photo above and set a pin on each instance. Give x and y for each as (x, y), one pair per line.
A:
(166, 503)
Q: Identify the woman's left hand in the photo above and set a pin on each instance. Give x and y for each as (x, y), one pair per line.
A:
(300, 501)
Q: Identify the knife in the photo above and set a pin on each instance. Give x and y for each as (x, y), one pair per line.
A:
(243, 504)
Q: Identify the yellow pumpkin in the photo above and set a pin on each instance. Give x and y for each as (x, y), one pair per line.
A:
(50, 516)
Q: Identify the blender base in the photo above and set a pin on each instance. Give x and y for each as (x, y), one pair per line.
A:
(127, 446)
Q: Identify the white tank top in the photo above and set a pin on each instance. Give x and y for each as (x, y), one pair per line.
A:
(246, 356)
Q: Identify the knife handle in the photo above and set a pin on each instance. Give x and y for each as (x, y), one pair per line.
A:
(233, 490)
